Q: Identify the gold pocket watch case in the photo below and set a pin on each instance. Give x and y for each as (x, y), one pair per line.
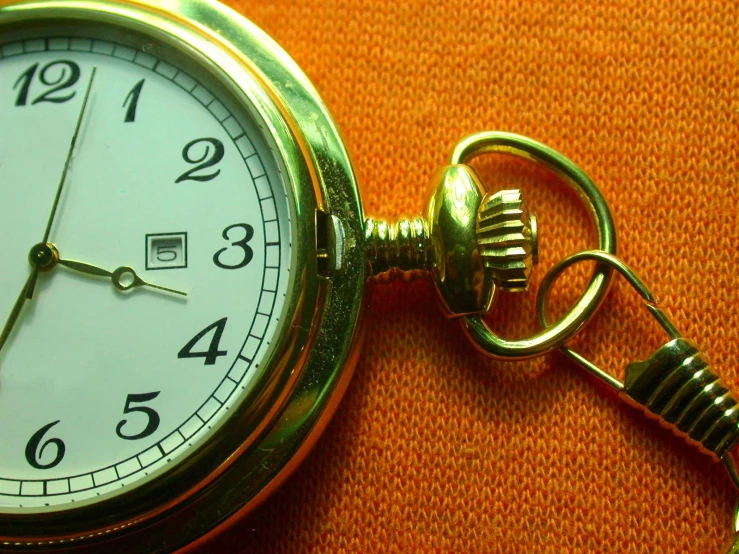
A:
(202, 163)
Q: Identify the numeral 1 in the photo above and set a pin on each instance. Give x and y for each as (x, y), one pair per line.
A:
(132, 99)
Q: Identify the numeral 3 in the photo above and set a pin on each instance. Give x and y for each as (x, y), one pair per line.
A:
(247, 252)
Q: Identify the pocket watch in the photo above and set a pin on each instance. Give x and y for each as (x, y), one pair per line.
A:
(177, 324)
(185, 258)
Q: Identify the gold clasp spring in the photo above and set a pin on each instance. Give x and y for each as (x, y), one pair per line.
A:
(676, 385)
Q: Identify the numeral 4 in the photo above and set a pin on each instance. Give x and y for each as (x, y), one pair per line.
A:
(213, 353)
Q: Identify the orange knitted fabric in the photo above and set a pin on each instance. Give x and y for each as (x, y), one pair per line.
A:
(437, 449)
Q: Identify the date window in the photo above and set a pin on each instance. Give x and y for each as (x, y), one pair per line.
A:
(166, 251)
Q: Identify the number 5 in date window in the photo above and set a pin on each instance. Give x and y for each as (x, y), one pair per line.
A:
(166, 251)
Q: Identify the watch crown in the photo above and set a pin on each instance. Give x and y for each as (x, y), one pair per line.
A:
(507, 239)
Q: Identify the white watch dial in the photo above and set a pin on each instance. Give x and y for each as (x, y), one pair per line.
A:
(100, 388)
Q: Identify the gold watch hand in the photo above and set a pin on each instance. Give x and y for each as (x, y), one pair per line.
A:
(124, 278)
(16, 311)
(69, 156)
(29, 290)
(42, 257)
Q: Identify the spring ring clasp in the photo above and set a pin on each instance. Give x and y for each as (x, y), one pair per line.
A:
(676, 385)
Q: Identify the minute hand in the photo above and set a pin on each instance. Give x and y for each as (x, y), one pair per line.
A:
(13, 317)
(68, 162)
(116, 276)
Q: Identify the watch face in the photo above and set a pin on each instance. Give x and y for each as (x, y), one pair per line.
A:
(170, 251)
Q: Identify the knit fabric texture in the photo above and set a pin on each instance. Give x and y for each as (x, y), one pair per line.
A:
(436, 448)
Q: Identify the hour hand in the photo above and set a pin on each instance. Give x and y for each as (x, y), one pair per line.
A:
(124, 278)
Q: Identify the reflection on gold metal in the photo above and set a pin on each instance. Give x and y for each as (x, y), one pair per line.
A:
(676, 385)
(732, 545)
(43, 256)
(124, 278)
(495, 142)
(464, 245)
(468, 244)
(398, 250)
(507, 238)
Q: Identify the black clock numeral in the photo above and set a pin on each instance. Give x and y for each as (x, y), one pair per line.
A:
(209, 158)
(60, 75)
(35, 450)
(212, 354)
(166, 253)
(153, 419)
(132, 99)
(243, 243)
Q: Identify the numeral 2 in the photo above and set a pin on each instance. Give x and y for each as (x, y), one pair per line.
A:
(59, 75)
(208, 159)
(212, 354)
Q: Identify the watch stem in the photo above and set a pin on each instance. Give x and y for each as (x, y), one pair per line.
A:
(398, 250)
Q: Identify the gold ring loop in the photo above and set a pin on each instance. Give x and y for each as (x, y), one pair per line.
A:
(496, 142)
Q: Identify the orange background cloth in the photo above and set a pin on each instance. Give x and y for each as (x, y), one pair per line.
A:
(437, 449)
